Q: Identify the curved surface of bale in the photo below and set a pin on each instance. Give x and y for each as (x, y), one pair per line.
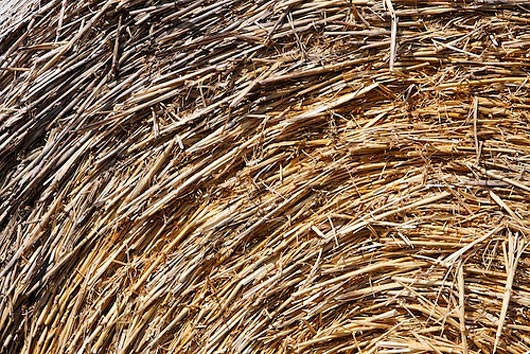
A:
(195, 176)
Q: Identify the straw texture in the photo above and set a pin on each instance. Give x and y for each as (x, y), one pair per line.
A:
(264, 176)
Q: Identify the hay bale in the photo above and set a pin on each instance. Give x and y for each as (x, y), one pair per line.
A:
(264, 177)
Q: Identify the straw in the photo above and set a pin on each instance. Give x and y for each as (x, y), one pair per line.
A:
(323, 176)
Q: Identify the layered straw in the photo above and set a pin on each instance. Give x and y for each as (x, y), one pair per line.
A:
(264, 176)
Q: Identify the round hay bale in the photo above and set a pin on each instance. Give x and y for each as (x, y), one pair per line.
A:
(196, 176)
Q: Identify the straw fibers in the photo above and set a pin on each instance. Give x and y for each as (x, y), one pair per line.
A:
(191, 176)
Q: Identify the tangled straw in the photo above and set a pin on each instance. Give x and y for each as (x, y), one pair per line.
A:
(264, 176)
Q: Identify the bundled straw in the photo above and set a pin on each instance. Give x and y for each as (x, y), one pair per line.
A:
(191, 176)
